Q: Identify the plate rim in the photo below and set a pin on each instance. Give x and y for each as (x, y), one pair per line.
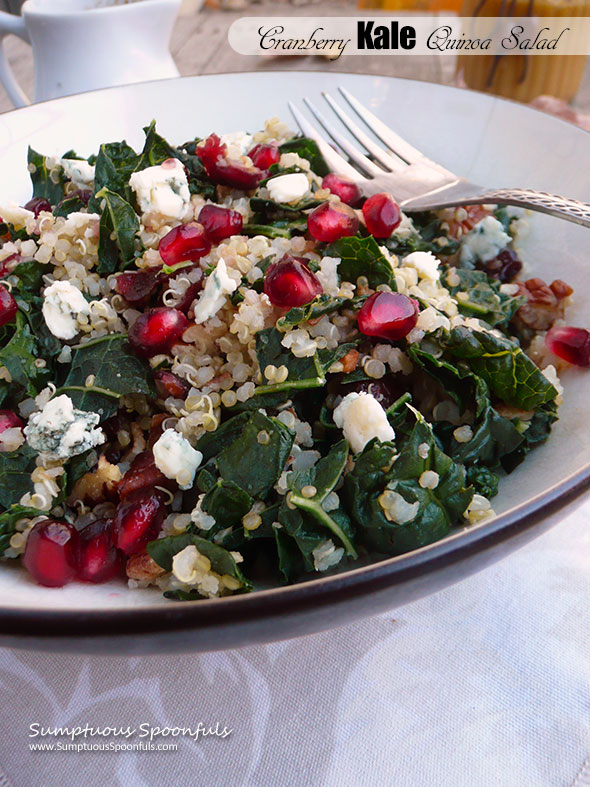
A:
(74, 624)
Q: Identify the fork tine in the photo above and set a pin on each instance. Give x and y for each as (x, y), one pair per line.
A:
(333, 159)
(388, 160)
(396, 143)
(355, 155)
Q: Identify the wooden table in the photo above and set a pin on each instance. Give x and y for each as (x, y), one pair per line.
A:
(199, 45)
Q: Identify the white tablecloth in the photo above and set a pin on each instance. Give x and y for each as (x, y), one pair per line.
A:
(486, 684)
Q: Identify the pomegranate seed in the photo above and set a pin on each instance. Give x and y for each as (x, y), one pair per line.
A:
(185, 242)
(143, 475)
(156, 330)
(98, 559)
(138, 520)
(226, 172)
(289, 282)
(8, 420)
(331, 221)
(382, 215)
(388, 315)
(169, 384)
(51, 553)
(264, 156)
(8, 306)
(136, 286)
(37, 204)
(571, 344)
(344, 188)
(220, 223)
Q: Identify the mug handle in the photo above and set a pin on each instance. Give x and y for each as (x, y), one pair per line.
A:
(11, 24)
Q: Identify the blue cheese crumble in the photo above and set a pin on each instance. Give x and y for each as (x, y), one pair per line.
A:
(485, 241)
(361, 418)
(62, 303)
(60, 431)
(176, 458)
(162, 189)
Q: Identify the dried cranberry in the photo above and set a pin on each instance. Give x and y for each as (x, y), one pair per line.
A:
(51, 553)
(386, 390)
(382, 215)
(185, 242)
(331, 221)
(264, 156)
(571, 344)
(170, 384)
(37, 204)
(156, 331)
(138, 520)
(8, 306)
(99, 560)
(190, 294)
(136, 286)
(388, 315)
(344, 188)
(289, 282)
(505, 267)
(220, 223)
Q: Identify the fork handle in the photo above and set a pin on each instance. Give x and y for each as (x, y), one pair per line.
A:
(541, 201)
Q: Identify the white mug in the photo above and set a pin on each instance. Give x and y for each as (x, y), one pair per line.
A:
(81, 45)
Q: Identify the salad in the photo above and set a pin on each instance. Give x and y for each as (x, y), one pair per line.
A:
(221, 367)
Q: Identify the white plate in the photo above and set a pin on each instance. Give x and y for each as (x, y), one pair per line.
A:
(490, 141)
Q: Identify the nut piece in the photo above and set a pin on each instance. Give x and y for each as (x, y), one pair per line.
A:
(350, 361)
(141, 567)
(98, 484)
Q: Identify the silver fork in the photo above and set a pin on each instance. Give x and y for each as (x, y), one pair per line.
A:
(416, 182)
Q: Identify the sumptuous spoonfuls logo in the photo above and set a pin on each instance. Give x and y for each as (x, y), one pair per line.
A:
(337, 36)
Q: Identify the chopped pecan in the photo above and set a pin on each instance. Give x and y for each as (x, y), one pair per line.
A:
(97, 485)
(545, 304)
(143, 568)
(350, 361)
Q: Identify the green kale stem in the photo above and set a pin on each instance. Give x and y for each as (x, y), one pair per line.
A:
(310, 382)
(316, 510)
(89, 389)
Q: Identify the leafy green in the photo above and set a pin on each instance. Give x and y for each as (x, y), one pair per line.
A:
(323, 304)
(308, 149)
(19, 357)
(69, 205)
(510, 374)
(51, 189)
(211, 443)
(118, 226)
(15, 474)
(429, 229)
(483, 480)
(485, 301)
(8, 522)
(323, 477)
(362, 257)
(378, 469)
(253, 465)
(535, 432)
(116, 371)
(227, 504)
(222, 562)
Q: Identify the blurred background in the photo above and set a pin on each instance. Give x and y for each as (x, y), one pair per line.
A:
(199, 46)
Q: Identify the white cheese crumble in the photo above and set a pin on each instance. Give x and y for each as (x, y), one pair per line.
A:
(60, 431)
(176, 458)
(62, 303)
(326, 555)
(425, 264)
(162, 189)
(288, 188)
(218, 285)
(328, 275)
(81, 173)
(238, 142)
(429, 479)
(485, 241)
(405, 229)
(361, 418)
(13, 214)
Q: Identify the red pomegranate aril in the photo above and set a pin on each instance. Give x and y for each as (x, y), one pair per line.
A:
(185, 242)
(9, 420)
(37, 204)
(264, 156)
(99, 560)
(51, 553)
(8, 306)
(382, 215)
(331, 221)
(388, 315)
(220, 223)
(289, 283)
(170, 384)
(226, 172)
(138, 520)
(136, 286)
(569, 343)
(156, 330)
(346, 189)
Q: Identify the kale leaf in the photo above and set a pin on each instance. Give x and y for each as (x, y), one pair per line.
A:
(308, 149)
(485, 301)
(8, 522)
(118, 227)
(15, 475)
(362, 257)
(19, 357)
(44, 185)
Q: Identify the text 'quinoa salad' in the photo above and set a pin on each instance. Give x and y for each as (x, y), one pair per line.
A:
(221, 367)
